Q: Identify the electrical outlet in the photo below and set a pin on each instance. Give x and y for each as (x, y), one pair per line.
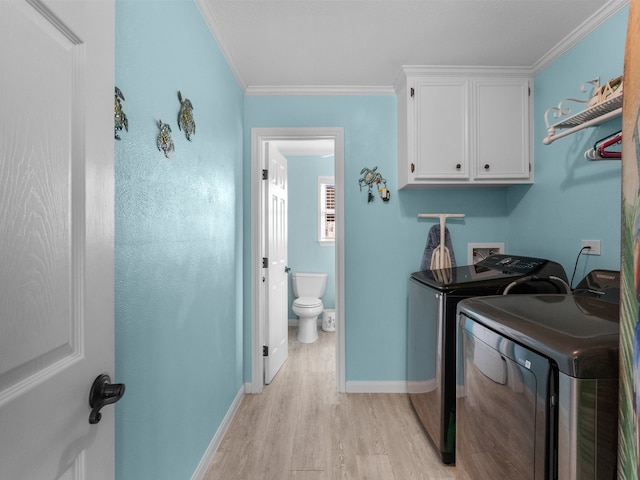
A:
(595, 247)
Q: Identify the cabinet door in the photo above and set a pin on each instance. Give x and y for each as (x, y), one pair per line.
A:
(441, 147)
(502, 133)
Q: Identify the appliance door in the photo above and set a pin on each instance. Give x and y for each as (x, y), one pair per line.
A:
(503, 410)
(587, 428)
(431, 365)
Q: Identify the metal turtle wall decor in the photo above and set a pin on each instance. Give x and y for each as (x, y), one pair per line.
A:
(164, 141)
(120, 118)
(186, 122)
(370, 178)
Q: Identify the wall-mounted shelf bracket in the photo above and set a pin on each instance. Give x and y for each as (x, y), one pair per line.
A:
(589, 117)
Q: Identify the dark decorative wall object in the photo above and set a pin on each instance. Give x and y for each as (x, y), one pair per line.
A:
(165, 142)
(120, 119)
(186, 122)
(371, 178)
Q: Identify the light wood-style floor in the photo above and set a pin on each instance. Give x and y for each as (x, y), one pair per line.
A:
(300, 428)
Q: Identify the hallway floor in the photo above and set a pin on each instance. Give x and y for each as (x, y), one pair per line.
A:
(300, 428)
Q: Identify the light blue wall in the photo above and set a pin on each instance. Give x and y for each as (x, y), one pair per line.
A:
(383, 241)
(182, 246)
(573, 199)
(305, 254)
(178, 240)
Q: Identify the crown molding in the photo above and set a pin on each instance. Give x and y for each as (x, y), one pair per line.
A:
(319, 90)
(210, 20)
(598, 18)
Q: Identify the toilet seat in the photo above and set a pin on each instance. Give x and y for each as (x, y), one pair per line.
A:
(307, 302)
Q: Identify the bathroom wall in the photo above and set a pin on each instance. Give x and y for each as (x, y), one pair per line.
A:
(573, 199)
(178, 240)
(304, 252)
(384, 242)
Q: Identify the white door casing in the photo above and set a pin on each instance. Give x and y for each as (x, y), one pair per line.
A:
(260, 136)
(56, 237)
(276, 324)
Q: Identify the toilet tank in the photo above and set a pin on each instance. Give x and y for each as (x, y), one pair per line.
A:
(309, 284)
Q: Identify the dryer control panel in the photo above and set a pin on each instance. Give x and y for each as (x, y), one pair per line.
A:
(602, 284)
(512, 264)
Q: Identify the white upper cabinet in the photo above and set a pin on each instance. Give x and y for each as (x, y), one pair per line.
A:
(463, 127)
(439, 149)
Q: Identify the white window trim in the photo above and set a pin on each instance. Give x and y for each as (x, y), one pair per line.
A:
(321, 240)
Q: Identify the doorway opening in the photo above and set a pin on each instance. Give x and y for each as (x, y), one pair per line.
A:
(260, 139)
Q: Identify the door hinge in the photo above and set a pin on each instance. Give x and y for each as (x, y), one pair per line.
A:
(265, 174)
(265, 351)
(265, 262)
(413, 92)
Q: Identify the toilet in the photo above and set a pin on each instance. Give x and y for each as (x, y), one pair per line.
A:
(308, 288)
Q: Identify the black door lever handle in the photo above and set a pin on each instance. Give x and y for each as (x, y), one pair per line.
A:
(103, 393)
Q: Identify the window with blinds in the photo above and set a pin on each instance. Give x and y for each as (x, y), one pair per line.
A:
(326, 211)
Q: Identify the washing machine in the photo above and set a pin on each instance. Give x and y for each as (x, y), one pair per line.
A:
(539, 391)
(432, 324)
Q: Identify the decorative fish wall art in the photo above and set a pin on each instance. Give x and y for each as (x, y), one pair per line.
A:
(185, 117)
(164, 141)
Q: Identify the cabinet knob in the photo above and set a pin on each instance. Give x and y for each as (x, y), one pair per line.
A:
(458, 166)
(413, 167)
(486, 166)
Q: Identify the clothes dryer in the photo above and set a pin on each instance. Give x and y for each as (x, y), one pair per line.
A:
(539, 394)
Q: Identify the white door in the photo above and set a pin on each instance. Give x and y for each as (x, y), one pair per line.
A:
(56, 237)
(276, 328)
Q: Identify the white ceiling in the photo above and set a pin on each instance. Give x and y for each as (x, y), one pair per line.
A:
(362, 44)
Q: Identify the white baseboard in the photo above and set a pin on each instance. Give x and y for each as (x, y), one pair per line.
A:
(377, 387)
(207, 458)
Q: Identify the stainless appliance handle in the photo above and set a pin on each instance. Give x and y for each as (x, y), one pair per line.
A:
(534, 278)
